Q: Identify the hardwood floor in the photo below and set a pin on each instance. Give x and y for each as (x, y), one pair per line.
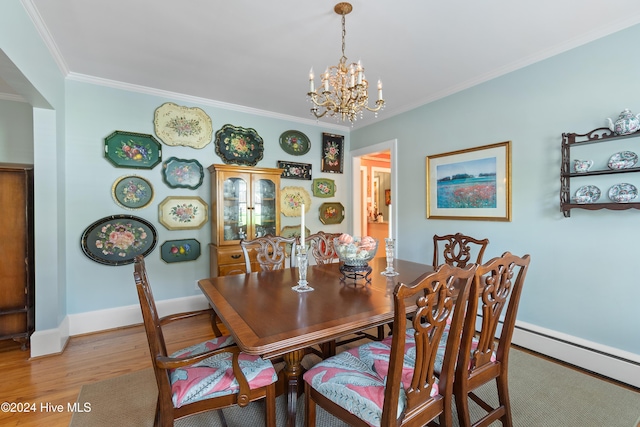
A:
(43, 384)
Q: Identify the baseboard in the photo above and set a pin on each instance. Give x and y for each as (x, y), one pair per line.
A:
(52, 341)
(49, 341)
(608, 361)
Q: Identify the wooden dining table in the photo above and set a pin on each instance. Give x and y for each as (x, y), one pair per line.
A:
(267, 318)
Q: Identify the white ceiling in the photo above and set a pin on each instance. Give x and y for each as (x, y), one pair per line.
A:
(258, 54)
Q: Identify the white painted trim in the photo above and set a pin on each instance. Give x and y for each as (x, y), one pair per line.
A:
(611, 362)
(52, 341)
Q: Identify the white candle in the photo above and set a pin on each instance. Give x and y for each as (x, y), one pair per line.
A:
(390, 223)
(379, 90)
(311, 87)
(302, 228)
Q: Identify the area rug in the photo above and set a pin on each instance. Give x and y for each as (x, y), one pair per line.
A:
(543, 394)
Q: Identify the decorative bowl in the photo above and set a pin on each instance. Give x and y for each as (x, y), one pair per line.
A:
(355, 251)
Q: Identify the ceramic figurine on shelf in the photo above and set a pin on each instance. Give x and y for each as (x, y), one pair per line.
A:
(626, 123)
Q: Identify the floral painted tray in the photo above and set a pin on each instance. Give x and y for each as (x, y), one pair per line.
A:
(181, 173)
(178, 125)
(323, 187)
(183, 213)
(331, 213)
(239, 146)
(291, 198)
(118, 239)
(294, 142)
(132, 150)
(132, 192)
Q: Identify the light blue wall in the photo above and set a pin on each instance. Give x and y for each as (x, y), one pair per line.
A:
(93, 113)
(16, 132)
(42, 85)
(583, 279)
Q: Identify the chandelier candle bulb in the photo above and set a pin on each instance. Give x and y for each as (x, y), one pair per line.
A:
(379, 90)
(311, 87)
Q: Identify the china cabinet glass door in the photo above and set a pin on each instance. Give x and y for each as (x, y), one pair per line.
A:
(264, 207)
(236, 216)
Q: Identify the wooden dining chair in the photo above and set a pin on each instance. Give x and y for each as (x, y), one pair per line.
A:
(495, 291)
(392, 382)
(457, 249)
(271, 252)
(208, 376)
(321, 247)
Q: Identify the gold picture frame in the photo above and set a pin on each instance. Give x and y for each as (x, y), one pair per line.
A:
(470, 184)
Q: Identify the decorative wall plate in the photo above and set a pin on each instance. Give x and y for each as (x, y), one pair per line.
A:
(177, 125)
(132, 150)
(181, 173)
(118, 239)
(623, 160)
(132, 192)
(180, 250)
(291, 198)
(623, 193)
(294, 170)
(239, 146)
(589, 192)
(294, 142)
(183, 213)
(331, 213)
(323, 187)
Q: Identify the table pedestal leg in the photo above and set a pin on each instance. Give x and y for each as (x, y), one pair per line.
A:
(293, 376)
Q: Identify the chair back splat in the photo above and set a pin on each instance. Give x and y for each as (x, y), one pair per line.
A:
(494, 296)
(457, 249)
(217, 362)
(321, 246)
(271, 252)
(392, 382)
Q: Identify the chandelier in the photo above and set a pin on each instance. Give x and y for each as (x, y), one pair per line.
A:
(343, 91)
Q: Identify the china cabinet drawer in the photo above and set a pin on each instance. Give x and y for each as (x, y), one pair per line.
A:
(231, 255)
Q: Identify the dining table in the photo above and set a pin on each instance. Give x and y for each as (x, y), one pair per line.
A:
(266, 317)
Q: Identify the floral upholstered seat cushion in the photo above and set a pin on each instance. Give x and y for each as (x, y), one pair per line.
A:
(214, 376)
(355, 379)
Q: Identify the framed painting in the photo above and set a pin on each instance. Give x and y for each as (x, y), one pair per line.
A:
(294, 170)
(181, 173)
(239, 146)
(183, 213)
(118, 239)
(387, 197)
(470, 184)
(332, 153)
(291, 198)
(187, 126)
(294, 142)
(180, 250)
(132, 150)
(323, 187)
(132, 192)
(331, 213)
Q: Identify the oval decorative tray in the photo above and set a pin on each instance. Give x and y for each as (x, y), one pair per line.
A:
(587, 194)
(623, 160)
(623, 193)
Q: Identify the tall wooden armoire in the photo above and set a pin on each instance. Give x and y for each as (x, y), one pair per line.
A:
(17, 284)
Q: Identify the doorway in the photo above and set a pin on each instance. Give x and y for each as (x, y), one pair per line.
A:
(374, 187)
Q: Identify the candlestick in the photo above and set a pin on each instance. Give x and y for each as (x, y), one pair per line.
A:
(302, 228)
(390, 223)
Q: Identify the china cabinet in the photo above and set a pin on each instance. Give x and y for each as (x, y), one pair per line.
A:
(244, 205)
(568, 173)
(17, 285)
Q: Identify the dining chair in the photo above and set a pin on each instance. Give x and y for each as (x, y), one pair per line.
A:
(495, 292)
(392, 382)
(271, 252)
(457, 249)
(207, 376)
(321, 247)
